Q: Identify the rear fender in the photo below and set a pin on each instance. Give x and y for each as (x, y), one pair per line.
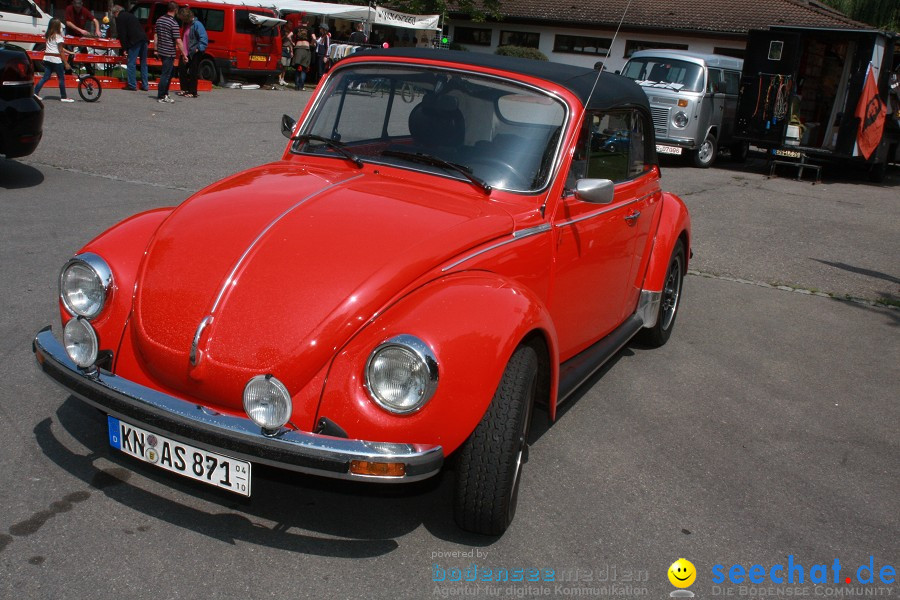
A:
(473, 322)
(674, 224)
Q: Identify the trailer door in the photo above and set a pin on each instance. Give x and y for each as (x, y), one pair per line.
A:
(767, 83)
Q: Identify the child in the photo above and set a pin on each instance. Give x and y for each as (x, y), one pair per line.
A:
(55, 60)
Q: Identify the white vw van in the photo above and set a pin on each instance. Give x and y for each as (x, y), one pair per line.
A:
(693, 99)
(23, 16)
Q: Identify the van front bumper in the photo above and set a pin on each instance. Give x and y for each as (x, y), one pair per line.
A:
(238, 437)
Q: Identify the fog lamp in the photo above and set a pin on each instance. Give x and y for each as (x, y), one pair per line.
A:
(81, 342)
(267, 402)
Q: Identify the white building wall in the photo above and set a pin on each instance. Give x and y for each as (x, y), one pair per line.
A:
(616, 59)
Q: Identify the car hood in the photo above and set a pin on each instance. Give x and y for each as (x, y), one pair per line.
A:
(285, 263)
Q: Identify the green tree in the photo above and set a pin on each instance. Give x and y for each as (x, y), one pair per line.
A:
(883, 14)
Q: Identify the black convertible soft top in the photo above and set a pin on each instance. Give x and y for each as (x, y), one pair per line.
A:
(612, 90)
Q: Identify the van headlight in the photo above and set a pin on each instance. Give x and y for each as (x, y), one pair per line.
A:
(84, 285)
(402, 374)
(680, 119)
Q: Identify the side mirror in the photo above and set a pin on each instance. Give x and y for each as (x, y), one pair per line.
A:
(595, 191)
(287, 126)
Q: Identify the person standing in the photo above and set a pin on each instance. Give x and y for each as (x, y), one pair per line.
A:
(134, 43)
(54, 59)
(302, 58)
(167, 41)
(359, 36)
(323, 41)
(196, 41)
(78, 21)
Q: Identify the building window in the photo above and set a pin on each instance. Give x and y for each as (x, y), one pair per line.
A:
(528, 39)
(732, 52)
(581, 44)
(632, 46)
(472, 35)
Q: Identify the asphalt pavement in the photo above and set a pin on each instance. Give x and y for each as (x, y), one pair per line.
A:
(765, 432)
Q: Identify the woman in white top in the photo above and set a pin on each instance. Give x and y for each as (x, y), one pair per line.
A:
(55, 60)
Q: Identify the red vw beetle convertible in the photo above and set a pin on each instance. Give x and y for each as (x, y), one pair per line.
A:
(448, 240)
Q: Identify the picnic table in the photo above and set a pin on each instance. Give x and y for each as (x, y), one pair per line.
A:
(107, 53)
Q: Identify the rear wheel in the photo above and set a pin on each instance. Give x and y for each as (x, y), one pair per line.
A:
(89, 88)
(207, 70)
(490, 462)
(705, 155)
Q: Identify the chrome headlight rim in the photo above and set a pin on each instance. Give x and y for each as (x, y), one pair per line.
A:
(101, 269)
(680, 119)
(423, 353)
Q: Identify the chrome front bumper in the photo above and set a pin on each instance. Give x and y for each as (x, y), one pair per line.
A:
(233, 436)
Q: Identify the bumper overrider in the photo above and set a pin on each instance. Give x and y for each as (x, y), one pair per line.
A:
(240, 438)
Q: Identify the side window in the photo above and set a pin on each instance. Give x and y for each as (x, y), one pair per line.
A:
(142, 12)
(212, 19)
(714, 81)
(612, 146)
(732, 82)
(16, 7)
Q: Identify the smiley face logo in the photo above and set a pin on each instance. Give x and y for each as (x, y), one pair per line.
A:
(682, 573)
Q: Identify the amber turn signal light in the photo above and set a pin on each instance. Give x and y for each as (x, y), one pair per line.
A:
(682, 103)
(377, 469)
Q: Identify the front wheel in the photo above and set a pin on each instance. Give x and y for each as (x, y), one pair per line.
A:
(704, 156)
(89, 88)
(490, 462)
(659, 334)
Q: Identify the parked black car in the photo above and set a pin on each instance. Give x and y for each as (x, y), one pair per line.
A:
(21, 114)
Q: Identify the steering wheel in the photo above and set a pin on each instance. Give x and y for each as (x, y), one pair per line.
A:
(502, 169)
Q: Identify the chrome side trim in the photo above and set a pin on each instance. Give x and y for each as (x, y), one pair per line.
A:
(603, 211)
(516, 236)
(230, 435)
(230, 279)
(648, 307)
(523, 233)
(195, 354)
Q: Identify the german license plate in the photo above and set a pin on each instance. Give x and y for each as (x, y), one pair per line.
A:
(669, 150)
(210, 468)
(257, 58)
(787, 153)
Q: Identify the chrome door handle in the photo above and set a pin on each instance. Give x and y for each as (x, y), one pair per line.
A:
(633, 216)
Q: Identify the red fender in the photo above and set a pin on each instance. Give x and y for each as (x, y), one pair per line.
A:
(674, 223)
(122, 247)
(473, 321)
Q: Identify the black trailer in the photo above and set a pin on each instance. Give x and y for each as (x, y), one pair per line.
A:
(800, 90)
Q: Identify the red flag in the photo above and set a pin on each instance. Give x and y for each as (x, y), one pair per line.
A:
(871, 114)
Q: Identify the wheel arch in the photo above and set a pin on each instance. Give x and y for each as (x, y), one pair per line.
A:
(674, 225)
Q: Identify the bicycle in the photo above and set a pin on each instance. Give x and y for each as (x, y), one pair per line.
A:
(89, 87)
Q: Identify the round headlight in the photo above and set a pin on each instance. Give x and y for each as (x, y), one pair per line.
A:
(267, 402)
(81, 342)
(680, 119)
(402, 374)
(84, 284)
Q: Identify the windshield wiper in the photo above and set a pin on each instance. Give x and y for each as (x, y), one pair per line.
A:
(333, 144)
(430, 159)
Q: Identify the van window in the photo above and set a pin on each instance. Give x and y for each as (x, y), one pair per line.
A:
(732, 82)
(142, 12)
(714, 81)
(612, 146)
(681, 74)
(212, 19)
(242, 24)
(18, 7)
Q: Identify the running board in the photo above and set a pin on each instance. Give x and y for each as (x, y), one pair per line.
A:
(580, 367)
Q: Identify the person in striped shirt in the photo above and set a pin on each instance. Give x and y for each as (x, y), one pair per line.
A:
(167, 41)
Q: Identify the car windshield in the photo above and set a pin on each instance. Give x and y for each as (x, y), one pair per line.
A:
(493, 132)
(665, 72)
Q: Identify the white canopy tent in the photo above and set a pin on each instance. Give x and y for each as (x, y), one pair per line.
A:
(374, 15)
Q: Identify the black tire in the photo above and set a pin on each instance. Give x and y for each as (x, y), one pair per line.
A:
(207, 70)
(656, 336)
(489, 464)
(89, 88)
(739, 151)
(704, 156)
